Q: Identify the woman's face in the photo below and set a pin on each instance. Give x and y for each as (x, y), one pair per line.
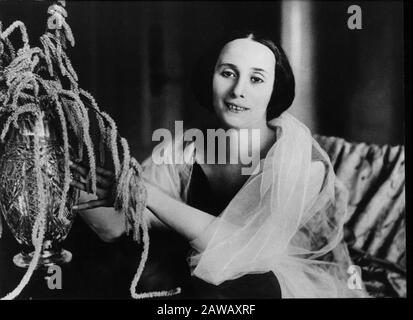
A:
(242, 83)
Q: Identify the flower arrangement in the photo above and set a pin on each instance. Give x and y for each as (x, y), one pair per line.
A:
(37, 81)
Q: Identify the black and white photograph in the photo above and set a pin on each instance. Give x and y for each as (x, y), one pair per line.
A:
(219, 151)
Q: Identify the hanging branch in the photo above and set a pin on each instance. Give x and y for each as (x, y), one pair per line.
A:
(26, 89)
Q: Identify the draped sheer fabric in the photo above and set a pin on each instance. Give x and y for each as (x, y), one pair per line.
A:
(271, 224)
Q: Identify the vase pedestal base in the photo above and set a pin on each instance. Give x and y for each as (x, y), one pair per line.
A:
(49, 256)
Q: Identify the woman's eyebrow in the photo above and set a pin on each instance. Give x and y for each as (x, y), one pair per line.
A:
(260, 70)
(226, 64)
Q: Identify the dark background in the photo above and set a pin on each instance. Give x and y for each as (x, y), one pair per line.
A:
(135, 58)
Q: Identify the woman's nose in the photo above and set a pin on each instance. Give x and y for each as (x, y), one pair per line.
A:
(238, 90)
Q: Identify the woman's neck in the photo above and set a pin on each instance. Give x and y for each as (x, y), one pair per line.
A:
(244, 144)
(256, 140)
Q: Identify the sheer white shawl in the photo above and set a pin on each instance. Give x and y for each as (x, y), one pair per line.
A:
(270, 225)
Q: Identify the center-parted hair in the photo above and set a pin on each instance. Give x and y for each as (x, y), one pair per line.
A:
(283, 92)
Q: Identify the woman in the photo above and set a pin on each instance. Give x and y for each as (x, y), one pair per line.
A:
(277, 230)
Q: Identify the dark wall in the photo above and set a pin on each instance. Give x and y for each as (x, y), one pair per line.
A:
(360, 92)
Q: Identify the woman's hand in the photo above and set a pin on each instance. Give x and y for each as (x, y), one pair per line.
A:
(97, 210)
(105, 187)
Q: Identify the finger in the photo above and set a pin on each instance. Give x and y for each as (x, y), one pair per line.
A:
(104, 182)
(82, 185)
(81, 179)
(102, 193)
(78, 168)
(104, 172)
(101, 182)
(78, 185)
(101, 178)
(92, 204)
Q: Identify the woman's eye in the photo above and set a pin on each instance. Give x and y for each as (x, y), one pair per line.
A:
(256, 80)
(228, 74)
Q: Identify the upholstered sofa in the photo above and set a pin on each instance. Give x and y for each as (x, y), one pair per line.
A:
(375, 231)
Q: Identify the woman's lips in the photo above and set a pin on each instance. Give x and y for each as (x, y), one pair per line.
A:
(235, 108)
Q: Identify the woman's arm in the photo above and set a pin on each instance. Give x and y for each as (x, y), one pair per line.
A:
(108, 224)
(97, 210)
(184, 219)
(191, 222)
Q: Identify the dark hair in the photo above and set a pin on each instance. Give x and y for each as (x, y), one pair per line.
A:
(284, 84)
